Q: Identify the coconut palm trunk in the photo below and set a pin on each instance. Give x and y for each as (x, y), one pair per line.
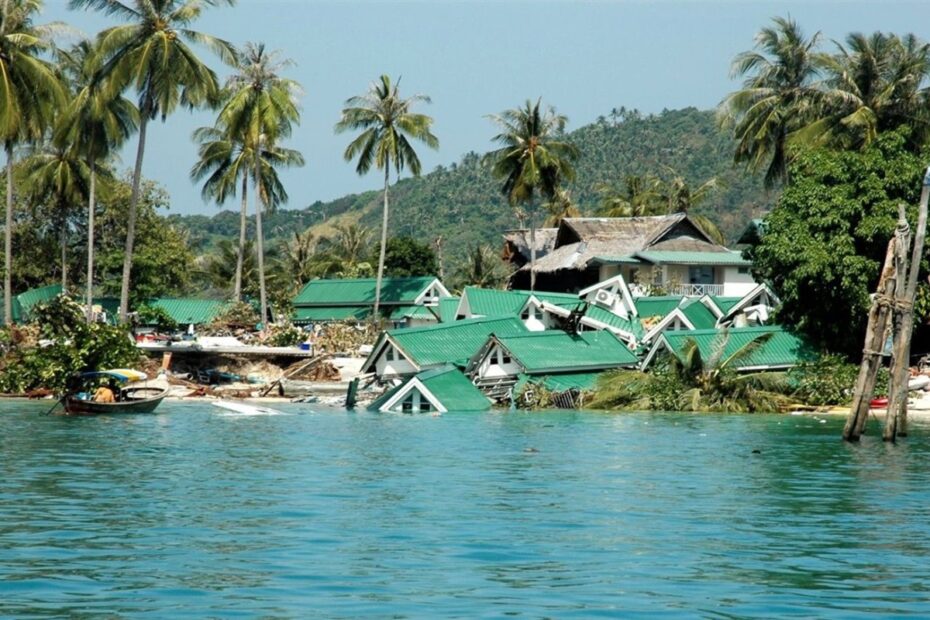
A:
(8, 240)
(91, 207)
(259, 238)
(532, 214)
(243, 223)
(145, 114)
(63, 239)
(384, 228)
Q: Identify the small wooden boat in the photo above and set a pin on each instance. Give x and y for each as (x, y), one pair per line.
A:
(128, 396)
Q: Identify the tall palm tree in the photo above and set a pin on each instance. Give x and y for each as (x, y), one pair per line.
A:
(560, 206)
(94, 124)
(533, 158)
(30, 94)
(151, 54)
(779, 96)
(638, 196)
(874, 83)
(261, 109)
(388, 126)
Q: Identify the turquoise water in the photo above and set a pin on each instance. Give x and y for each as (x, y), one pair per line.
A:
(193, 513)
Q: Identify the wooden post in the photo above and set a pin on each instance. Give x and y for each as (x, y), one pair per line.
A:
(896, 417)
(874, 342)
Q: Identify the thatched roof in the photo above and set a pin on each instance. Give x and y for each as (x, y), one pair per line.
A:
(517, 244)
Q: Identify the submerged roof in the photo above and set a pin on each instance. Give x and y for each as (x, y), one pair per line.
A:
(445, 386)
(783, 350)
(362, 291)
(584, 381)
(554, 351)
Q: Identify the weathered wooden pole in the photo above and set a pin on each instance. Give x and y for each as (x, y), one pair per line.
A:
(874, 341)
(896, 417)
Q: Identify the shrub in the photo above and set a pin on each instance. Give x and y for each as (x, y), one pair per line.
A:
(157, 317)
(830, 380)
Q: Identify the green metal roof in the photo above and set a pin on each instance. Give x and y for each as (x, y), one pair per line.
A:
(606, 316)
(451, 342)
(331, 313)
(554, 351)
(669, 257)
(655, 306)
(29, 299)
(783, 350)
(186, 311)
(725, 303)
(362, 291)
(584, 381)
(412, 312)
(446, 309)
(447, 385)
(699, 315)
(491, 302)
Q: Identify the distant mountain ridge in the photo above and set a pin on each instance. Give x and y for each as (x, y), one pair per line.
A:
(462, 202)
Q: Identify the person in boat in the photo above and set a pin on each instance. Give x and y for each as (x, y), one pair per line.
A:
(106, 393)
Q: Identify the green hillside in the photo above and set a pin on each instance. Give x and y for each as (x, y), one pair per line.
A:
(462, 203)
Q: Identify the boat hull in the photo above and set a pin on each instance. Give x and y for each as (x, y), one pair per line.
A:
(135, 400)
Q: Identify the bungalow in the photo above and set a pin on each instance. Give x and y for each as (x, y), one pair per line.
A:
(407, 351)
(668, 253)
(783, 349)
(189, 311)
(691, 314)
(26, 302)
(432, 391)
(340, 300)
(497, 365)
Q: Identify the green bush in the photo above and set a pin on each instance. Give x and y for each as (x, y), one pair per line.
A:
(157, 317)
(67, 345)
(286, 335)
(829, 381)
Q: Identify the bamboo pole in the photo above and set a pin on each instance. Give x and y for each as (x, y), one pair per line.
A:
(896, 417)
(874, 342)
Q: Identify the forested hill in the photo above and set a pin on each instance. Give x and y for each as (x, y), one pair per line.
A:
(462, 202)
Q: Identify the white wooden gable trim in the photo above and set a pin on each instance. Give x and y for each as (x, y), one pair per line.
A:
(402, 393)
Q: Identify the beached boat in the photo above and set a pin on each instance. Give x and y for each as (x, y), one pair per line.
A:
(128, 396)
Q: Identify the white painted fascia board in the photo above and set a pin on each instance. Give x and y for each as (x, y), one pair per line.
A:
(444, 292)
(463, 308)
(627, 337)
(404, 391)
(659, 327)
(660, 344)
(599, 285)
(711, 305)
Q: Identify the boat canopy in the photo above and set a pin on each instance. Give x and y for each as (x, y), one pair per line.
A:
(125, 375)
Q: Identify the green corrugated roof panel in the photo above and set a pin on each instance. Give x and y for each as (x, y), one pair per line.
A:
(331, 313)
(783, 350)
(412, 312)
(452, 342)
(558, 299)
(29, 299)
(186, 311)
(725, 303)
(554, 351)
(734, 259)
(606, 316)
(454, 390)
(699, 315)
(361, 291)
(447, 308)
(584, 381)
(656, 306)
(488, 302)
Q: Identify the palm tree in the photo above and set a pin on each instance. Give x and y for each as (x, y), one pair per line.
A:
(874, 83)
(560, 206)
(261, 109)
(482, 267)
(387, 126)
(94, 124)
(638, 196)
(151, 54)
(779, 96)
(534, 158)
(30, 94)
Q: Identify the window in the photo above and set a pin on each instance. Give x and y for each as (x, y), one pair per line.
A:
(657, 275)
(407, 406)
(743, 270)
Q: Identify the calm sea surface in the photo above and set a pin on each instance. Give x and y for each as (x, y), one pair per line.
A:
(322, 513)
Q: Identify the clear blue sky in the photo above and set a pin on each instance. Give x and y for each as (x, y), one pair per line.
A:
(477, 58)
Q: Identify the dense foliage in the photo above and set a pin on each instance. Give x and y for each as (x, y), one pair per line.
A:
(406, 256)
(58, 343)
(826, 238)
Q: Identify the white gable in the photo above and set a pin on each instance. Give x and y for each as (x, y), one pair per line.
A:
(612, 294)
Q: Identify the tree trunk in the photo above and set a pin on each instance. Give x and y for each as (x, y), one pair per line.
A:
(532, 215)
(384, 228)
(63, 239)
(91, 206)
(243, 222)
(8, 240)
(874, 342)
(896, 416)
(439, 257)
(259, 240)
(144, 115)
